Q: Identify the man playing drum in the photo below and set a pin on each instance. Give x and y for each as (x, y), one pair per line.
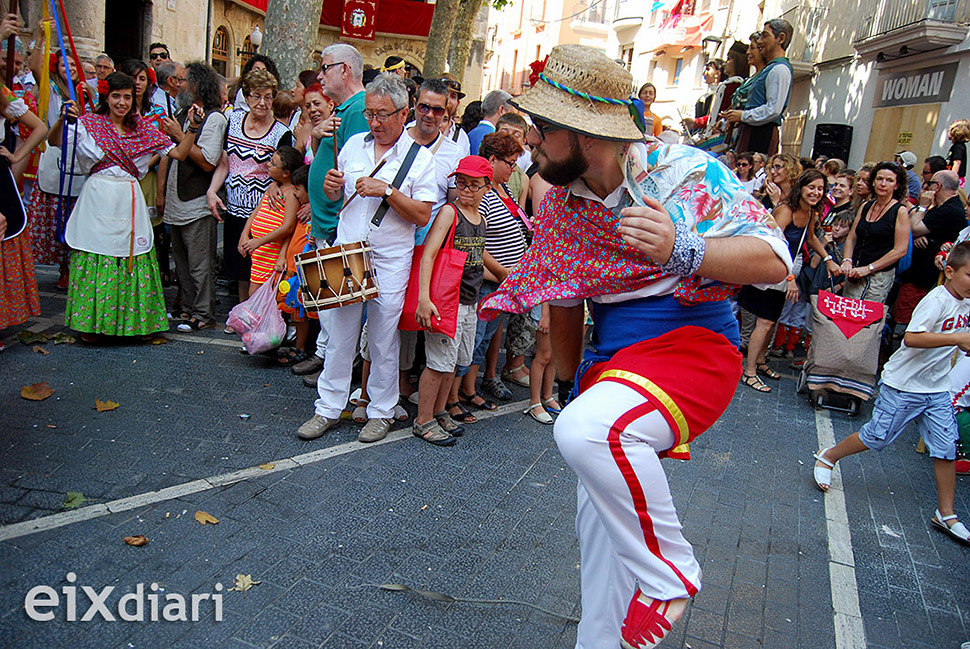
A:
(621, 226)
(408, 204)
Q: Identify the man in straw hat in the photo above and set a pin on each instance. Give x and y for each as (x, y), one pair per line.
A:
(621, 226)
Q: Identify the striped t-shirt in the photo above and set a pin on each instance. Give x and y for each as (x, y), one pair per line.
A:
(505, 234)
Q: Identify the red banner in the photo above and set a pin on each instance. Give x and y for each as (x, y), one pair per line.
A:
(359, 19)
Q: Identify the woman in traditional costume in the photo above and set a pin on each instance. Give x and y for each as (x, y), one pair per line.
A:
(114, 288)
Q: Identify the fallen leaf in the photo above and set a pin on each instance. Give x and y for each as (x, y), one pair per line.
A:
(160, 340)
(30, 337)
(265, 385)
(267, 466)
(73, 500)
(137, 541)
(51, 426)
(62, 338)
(244, 583)
(200, 353)
(36, 391)
(39, 350)
(105, 406)
(424, 507)
(205, 517)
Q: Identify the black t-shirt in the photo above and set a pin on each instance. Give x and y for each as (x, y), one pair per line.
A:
(470, 237)
(958, 152)
(944, 223)
(873, 240)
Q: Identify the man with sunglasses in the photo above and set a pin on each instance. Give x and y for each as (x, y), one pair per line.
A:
(621, 226)
(449, 127)
(340, 76)
(157, 54)
(391, 236)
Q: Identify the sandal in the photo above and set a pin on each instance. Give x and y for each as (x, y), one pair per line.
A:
(823, 474)
(469, 400)
(767, 371)
(496, 388)
(754, 383)
(432, 433)
(463, 415)
(360, 412)
(191, 324)
(509, 375)
(400, 414)
(958, 530)
(448, 424)
(291, 357)
(547, 404)
(543, 417)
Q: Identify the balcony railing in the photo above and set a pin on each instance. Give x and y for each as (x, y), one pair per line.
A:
(889, 15)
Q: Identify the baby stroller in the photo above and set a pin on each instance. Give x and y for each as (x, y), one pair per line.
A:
(843, 361)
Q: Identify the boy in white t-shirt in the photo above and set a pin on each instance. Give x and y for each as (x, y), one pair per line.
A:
(915, 385)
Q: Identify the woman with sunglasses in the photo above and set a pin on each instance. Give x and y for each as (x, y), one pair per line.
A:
(252, 138)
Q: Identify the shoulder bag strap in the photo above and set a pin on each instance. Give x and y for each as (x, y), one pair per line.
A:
(396, 183)
(449, 241)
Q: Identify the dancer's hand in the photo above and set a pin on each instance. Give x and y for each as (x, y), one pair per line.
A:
(9, 26)
(649, 229)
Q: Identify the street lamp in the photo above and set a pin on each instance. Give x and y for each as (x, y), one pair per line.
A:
(255, 39)
(710, 44)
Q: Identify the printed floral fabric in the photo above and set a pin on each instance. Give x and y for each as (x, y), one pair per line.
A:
(104, 298)
(18, 284)
(578, 253)
(43, 226)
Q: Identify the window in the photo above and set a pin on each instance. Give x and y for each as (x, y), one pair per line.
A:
(247, 52)
(653, 69)
(220, 51)
(675, 77)
(626, 53)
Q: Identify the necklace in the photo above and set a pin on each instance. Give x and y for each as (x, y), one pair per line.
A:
(882, 211)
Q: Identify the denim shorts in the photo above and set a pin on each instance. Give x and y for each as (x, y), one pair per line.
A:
(933, 413)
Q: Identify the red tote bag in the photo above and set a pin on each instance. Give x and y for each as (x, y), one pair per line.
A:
(445, 286)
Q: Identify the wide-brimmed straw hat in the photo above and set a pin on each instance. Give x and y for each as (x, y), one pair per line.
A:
(585, 91)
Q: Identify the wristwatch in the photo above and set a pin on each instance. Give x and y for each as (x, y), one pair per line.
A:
(388, 191)
(872, 269)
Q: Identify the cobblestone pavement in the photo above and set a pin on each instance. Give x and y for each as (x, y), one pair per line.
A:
(491, 518)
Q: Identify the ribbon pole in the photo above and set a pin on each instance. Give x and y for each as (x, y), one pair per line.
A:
(60, 218)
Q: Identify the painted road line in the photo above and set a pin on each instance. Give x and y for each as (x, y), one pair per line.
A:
(61, 519)
(849, 630)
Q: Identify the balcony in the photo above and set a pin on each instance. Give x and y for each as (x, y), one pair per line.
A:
(589, 18)
(627, 16)
(896, 28)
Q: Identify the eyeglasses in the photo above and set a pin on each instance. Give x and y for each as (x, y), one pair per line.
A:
(777, 166)
(256, 99)
(380, 117)
(474, 187)
(424, 109)
(180, 79)
(743, 164)
(930, 183)
(544, 128)
(327, 66)
(511, 165)
(158, 55)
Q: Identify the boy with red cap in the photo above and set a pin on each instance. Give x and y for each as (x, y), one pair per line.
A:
(461, 223)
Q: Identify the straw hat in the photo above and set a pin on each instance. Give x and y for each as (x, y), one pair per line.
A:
(583, 90)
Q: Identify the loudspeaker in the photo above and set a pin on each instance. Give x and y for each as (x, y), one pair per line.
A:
(832, 140)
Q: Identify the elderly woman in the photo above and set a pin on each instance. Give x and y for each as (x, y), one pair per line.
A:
(253, 137)
(879, 236)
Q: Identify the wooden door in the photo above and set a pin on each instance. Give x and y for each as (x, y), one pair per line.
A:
(902, 128)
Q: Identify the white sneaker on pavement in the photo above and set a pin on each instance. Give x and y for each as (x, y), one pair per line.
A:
(315, 427)
(374, 430)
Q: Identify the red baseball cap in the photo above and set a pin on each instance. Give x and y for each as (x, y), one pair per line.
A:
(474, 166)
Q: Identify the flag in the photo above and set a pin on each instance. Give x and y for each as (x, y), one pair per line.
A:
(359, 19)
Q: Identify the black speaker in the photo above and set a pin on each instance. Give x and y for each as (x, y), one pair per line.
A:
(832, 140)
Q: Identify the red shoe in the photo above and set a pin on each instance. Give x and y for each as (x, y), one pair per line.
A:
(63, 280)
(648, 620)
(963, 466)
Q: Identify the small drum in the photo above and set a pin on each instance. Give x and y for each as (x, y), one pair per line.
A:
(336, 276)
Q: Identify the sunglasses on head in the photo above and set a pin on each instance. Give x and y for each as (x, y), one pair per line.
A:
(450, 83)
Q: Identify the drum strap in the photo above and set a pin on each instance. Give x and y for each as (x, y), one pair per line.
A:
(397, 182)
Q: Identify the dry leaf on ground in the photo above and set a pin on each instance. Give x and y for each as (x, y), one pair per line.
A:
(244, 583)
(159, 340)
(205, 517)
(73, 500)
(37, 349)
(105, 406)
(137, 541)
(267, 466)
(36, 391)
(62, 338)
(30, 337)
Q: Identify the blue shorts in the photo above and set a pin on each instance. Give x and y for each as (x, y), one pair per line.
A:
(933, 413)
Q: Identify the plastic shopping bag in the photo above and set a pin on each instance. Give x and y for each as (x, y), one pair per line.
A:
(258, 320)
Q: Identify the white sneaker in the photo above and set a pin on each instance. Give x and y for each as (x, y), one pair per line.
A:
(374, 430)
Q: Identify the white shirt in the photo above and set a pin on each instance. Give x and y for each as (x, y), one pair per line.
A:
(446, 157)
(925, 370)
(464, 146)
(394, 240)
(777, 89)
(525, 160)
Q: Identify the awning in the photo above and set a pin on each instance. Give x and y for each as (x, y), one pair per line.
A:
(682, 31)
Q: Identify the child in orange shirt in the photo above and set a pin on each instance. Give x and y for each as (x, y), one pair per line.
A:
(286, 297)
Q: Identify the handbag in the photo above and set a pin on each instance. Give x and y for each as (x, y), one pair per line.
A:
(445, 288)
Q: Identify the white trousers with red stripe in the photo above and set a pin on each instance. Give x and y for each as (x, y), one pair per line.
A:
(628, 530)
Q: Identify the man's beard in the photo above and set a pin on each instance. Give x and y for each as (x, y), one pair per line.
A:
(563, 172)
(184, 100)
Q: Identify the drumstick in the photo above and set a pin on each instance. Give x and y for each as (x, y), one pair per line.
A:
(354, 195)
(334, 147)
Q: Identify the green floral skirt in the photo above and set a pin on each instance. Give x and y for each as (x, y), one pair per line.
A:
(105, 298)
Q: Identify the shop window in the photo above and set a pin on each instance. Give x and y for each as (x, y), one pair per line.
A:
(220, 51)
